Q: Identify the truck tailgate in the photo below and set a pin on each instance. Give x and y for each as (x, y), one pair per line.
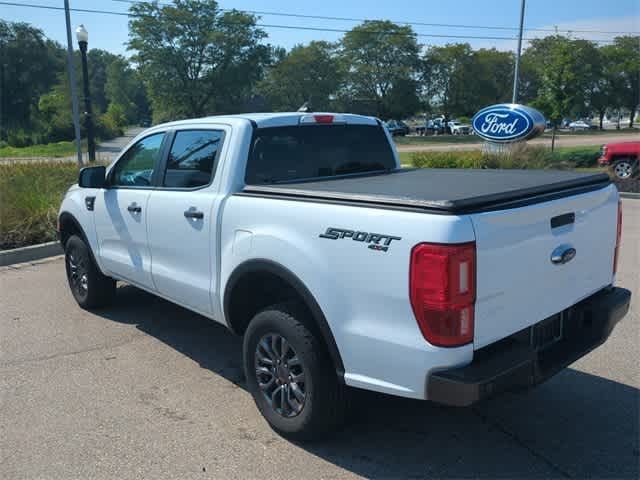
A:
(517, 284)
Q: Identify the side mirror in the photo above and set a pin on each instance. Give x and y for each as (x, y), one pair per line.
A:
(93, 177)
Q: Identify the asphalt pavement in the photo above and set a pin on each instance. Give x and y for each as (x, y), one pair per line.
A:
(146, 389)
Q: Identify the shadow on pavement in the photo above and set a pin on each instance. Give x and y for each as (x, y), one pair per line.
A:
(575, 425)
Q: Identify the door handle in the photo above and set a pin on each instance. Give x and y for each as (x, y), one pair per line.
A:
(193, 214)
(134, 208)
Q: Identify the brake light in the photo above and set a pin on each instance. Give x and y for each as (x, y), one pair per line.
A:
(322, 118)
(618, 237)
(443, 291)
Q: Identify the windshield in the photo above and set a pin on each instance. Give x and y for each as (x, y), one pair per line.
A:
(281, 154)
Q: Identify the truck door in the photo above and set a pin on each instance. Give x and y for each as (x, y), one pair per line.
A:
(120, 212)
(183, 216)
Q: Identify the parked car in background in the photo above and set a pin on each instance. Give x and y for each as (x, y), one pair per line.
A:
(436, 126)
(397, 127)
(458, 128)
(579, 125)
(623, 158)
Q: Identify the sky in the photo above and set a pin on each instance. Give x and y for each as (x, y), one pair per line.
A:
(110, 32)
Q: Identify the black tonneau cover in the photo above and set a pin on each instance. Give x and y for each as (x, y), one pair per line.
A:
(447, 191)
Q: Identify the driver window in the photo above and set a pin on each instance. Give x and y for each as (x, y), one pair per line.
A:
(135, 168)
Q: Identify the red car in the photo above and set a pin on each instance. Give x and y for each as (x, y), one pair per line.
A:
(622, 157)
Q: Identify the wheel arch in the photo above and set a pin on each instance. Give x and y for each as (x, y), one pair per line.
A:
(238, 312)
(69, 225)
(616, 157)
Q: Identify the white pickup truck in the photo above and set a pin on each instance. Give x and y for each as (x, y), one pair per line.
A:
(302, 233)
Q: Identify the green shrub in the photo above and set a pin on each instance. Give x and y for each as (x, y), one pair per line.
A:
(19, 138)
(453, 159)
(30, 195)
(107, 126)
(518, 156)
(581, 157)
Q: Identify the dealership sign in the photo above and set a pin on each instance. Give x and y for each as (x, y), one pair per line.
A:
(508, 122)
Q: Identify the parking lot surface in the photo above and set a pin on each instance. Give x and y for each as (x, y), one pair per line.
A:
(146, 389)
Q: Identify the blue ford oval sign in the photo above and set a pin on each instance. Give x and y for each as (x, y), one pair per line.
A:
(508, 122)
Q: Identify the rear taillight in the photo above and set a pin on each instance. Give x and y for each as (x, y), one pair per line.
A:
(618, 236)
(442, 288)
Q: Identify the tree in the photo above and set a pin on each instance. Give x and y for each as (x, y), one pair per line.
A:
(565, 75)
(124, 87)
(446, 73)
(29, 64)
(604, 87)
(308, 73)
(625, 53)
(381, 60)
(491, 78)
(194, 58)
(98, 62)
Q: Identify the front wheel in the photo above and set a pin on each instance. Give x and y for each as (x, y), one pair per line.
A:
(89, 286)
(290, 375)
(623, 169)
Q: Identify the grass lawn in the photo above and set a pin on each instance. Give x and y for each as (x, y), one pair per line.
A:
(610, 131)
(436, 139)
(30, 195)
(57, 150)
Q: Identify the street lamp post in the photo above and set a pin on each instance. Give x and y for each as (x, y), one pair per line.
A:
(83, 38)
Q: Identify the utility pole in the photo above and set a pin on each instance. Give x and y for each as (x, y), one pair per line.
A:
(72, 84)
(514, 98)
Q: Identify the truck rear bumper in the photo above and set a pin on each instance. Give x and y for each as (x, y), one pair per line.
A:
(514, 363)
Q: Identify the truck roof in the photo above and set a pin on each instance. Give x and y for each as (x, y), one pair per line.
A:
(273, 119)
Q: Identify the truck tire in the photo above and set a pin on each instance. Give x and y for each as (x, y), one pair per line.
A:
(290, 375)
(623, 168)
(89, 286)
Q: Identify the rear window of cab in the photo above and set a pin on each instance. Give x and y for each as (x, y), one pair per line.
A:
(281, 154)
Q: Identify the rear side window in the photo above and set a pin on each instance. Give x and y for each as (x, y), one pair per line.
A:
(292, 153)
(192, 159)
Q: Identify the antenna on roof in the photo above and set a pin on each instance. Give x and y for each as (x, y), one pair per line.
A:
(305, 108)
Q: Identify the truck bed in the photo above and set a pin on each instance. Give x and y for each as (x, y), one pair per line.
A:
(445, 191)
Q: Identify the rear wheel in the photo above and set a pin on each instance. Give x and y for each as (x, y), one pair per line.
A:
(623, 168)
(89, 286)
(290, 374)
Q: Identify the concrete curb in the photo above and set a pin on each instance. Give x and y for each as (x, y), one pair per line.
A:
(630, 195)
(30, 253)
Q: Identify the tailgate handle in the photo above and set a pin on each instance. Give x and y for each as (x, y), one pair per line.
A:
(564, 219)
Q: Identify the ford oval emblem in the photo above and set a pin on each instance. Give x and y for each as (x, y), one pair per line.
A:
(508, 122)
(563, 254)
